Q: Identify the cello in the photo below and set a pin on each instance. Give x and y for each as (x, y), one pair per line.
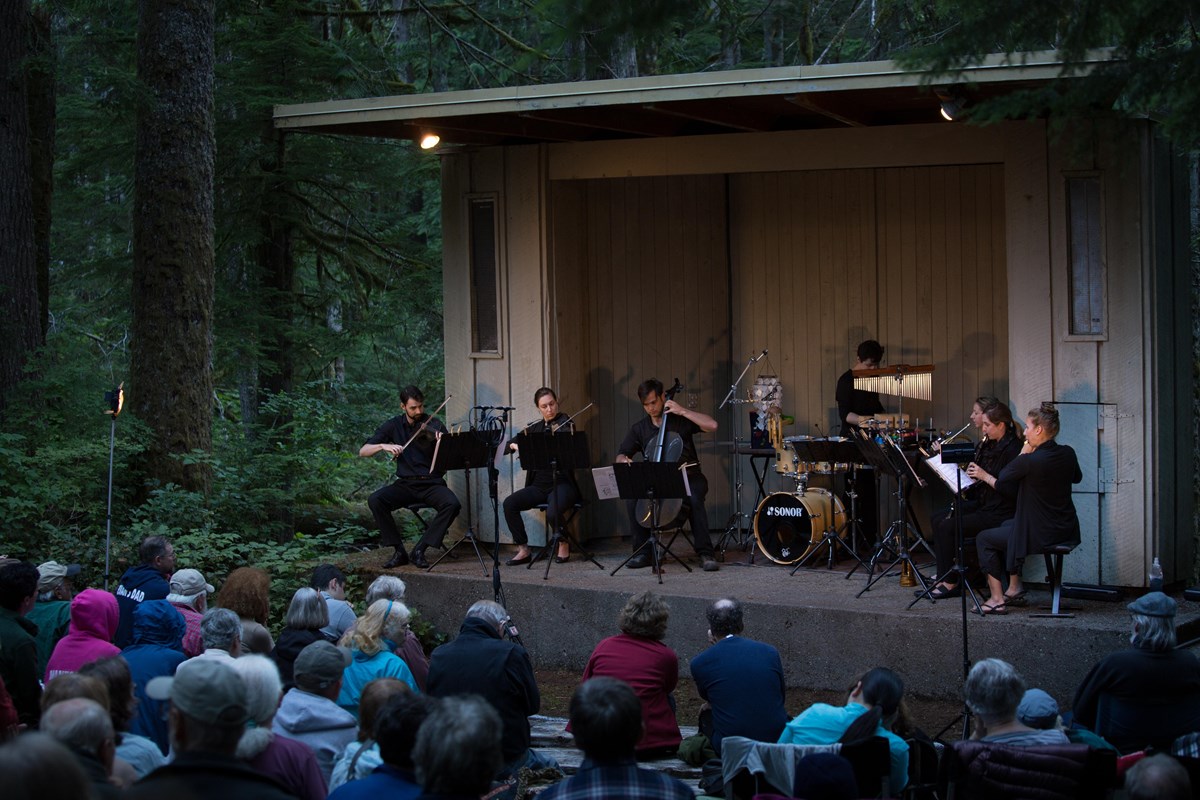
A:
(667, 448)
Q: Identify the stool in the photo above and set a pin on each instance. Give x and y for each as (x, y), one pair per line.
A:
(1054, 567)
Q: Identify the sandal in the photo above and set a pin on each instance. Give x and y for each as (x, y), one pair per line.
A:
(1018, 600)
(946, 592)
(999, 609)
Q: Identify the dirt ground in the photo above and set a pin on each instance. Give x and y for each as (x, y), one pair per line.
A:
(930, 716)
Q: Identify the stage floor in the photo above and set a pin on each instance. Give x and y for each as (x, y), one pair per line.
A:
(825, 634)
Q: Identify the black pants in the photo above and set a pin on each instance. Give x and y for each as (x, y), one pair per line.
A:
(701, 539)
(993, 545)
(558, 500)
(433, 493)
(945, 542)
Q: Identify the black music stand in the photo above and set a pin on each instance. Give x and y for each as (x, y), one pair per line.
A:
(466, 451)
(651, 480)
(888, 456)
(561, 452)
(957, 453)
(830, 451)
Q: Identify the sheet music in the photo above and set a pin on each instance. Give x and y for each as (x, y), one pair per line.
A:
(606, 483)
(950, 473)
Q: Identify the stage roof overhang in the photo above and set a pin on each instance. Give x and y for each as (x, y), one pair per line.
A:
(754, 100)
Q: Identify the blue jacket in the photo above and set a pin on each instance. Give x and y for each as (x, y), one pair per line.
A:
(364, 668)
(157, 649)
(743, 681)
(137, 585)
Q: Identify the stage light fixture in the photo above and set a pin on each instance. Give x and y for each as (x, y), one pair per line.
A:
(951, 105)
(116, 402)
(429, 140)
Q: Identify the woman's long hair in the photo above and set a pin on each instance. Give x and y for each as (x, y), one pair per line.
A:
(883, 690)
(384, 620)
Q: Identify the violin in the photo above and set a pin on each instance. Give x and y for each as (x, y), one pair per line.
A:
(667, 448)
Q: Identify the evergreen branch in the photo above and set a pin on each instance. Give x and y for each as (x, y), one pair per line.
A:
(512, 41)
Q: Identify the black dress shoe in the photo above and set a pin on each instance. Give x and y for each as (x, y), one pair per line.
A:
(399, 559)
(561, 559)
(640, 561)
(418, 558)
(517, 561)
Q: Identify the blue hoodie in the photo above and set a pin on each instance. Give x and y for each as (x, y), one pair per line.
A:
(157, 649)
(137, 585)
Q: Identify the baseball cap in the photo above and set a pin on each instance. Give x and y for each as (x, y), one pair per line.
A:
(189, 583)
(1038, 710)
(319, 666)
(1154, 604)
(51, 574)
(204, 689)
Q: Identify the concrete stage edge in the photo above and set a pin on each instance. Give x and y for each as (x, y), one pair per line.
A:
(825, 635)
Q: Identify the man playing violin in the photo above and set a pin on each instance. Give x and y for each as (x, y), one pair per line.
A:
(410, 439)
(642, 437)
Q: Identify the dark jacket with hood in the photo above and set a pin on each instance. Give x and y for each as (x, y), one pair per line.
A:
(480, 662)
(138, 584)
(157, 649)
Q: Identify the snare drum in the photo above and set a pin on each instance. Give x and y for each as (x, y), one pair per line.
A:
(787, 526)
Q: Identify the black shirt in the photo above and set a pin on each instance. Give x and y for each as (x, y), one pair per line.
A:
(417, 458)
(644, 433)
(854, 401)
(544, 478)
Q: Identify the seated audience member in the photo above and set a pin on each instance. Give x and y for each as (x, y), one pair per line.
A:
(288, 761)
(479, 661)
(638, 656)
(94, 617)
(870, 710)
(1151, 669)
(85, 728)
(1038, 710)
(18, 647)
(189, 593)
(143, 582)
(72, 685)
(1158, 777)
(331, 583)
(458, 749)
(741, 680)
(142, 755)
(207, 717)
(35, 767)
(993, 691)
(361, 757)
(396, 728)
(371, 641)
(606, 719)
(389, 587)
(825, 776)
(157, 650)
(9, 724)
(246, 592)
(306, 615)
(309, 712)
(52, 611)
(222, 633)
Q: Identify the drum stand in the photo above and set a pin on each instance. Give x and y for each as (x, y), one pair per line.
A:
(897, 532)
(733, 528)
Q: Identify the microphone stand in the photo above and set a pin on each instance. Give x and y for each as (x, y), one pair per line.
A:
(733, 528)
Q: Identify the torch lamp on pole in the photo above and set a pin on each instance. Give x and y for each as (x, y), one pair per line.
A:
(116, 401)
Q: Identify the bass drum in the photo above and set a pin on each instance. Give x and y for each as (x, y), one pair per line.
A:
(787, 526)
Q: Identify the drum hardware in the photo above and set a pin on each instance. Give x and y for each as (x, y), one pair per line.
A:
(826, 456)
(736, 531)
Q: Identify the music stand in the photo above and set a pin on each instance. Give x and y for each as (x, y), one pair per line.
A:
(830, 451)
(561, 452)
(888, 455)
(651, 480)
(465, 451)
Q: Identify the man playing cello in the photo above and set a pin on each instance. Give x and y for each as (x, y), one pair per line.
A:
(642, 435)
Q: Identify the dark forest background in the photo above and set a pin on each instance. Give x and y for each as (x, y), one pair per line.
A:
(263, 296)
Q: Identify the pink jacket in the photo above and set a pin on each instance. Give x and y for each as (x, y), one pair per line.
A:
(94, 618)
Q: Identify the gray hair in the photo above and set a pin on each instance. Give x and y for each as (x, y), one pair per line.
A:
(489, 610)
(263, 688)
(458, 747)
(1156, 634)
(80, 723)
(993, 691)
(1158, 777)
(220, 629)
(385, 587)
(307, 611)
(725, 617)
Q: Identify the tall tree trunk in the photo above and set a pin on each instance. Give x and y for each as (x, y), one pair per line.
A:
(42, 98)
(172, 383)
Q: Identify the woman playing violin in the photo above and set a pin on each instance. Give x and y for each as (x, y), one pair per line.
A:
(685, 423)
(558, 492)
(982, 506)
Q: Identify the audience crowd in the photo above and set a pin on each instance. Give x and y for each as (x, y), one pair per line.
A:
(167, 688)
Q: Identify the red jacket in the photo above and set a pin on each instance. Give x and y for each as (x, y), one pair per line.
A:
(652, 670)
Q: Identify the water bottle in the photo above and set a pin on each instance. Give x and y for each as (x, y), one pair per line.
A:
(1156, 576)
